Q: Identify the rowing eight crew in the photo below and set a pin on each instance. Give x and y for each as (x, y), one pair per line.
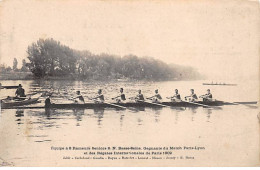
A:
(156, 98)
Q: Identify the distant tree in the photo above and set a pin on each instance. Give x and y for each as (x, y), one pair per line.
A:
(15, 63)
(2, 68)
(24, 66)
(50, 58)
(8, 69)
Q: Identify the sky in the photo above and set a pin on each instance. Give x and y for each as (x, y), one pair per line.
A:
(220, 38)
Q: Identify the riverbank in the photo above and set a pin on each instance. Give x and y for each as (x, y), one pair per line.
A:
(16, 76)
(29, 76)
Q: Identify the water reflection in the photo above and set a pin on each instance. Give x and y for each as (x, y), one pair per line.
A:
(193, 112)
(176, 117)
(99, 113)
(157, 112)
(78, 113)
(139, 121)
(122, 115)
(19, 114)
(209, 112)
(137, 109)
(47, 112)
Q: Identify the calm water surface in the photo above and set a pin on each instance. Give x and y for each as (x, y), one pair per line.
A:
(228, 133)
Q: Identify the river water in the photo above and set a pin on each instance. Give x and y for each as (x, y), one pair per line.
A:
(229, 135)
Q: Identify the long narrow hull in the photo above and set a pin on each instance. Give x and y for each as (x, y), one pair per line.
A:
(143, 104)
(26, 105)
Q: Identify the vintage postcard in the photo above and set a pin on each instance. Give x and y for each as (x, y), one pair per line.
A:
(129, 83)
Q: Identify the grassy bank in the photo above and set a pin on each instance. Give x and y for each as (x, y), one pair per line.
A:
(16, 76)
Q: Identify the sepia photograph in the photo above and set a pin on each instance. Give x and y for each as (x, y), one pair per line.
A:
(119, 83)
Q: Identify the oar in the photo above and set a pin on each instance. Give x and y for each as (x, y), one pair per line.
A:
(237, 103)
(158, 104)
(115, 105)
(247, 104)
(196, 103)
(110, 104)
(254, 102)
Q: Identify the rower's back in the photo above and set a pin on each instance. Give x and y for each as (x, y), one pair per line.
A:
(20, 92)
(140, 96)
(122, 96)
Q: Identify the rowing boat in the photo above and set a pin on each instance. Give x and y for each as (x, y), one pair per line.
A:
(126, 105)
(6, 103)
(8, 87)
(139, 104)
(12, 104)
(218, 84)
(145, 104)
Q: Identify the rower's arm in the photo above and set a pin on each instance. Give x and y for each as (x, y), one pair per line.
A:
(96, 97)
(116, 97)
(203, 96)
(150, 97)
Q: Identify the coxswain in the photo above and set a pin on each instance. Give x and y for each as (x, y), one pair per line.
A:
(121, 97)
(156, 97)
(20, 92)
(99, 98)
(79, 98)
(207, 96)
(47, 102)
(193, 97)
(176, 97)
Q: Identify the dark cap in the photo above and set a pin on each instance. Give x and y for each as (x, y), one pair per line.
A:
(20, 85)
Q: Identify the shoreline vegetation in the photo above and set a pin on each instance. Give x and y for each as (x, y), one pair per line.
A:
(50, 60)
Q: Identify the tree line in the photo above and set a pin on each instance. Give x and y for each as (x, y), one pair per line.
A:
(14, 68)
(48, 57)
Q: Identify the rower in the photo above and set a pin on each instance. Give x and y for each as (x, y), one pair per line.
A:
(156, 98)
(207, 96)
(79, 98)
(193, 97)
(176, 97)
(99, 98)
(20, 92)
(139, 97)
(121, 97)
